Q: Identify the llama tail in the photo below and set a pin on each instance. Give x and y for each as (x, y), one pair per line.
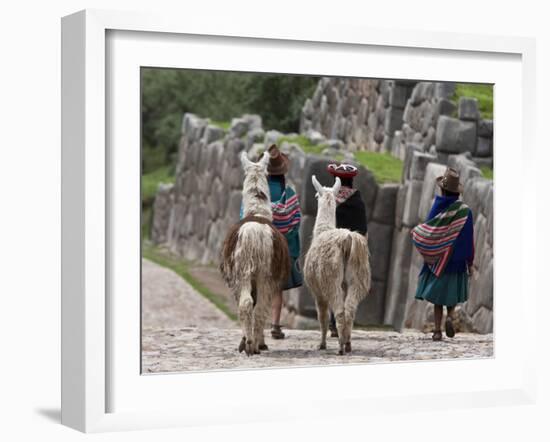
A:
(357, 271)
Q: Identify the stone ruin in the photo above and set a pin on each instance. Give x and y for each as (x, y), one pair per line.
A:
(412, 121)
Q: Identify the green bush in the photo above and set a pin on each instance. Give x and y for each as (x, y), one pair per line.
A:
(169, 93)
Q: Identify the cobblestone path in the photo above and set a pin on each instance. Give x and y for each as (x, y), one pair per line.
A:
(183, 331)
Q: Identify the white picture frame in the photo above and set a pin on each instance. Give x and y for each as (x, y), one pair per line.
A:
(87, 210)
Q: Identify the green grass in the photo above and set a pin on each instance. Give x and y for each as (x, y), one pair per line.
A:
(181, 267)
(151, 180)
(487, 172)
(306, 145)
(225, 125)
(483, 93)
(385, 167)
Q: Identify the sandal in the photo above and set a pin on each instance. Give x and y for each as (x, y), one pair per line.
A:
(449, 329)
(276, 332)
(437, 336)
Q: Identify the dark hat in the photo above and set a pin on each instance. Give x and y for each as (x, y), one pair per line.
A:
(342, 170)
(450, 181)
(278, 161)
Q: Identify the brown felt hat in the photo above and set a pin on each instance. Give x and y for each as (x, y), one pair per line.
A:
(278, 161)
(450, 181)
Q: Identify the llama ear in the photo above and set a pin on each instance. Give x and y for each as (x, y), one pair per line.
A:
(336, 187)
(317, 185)
(245, 161)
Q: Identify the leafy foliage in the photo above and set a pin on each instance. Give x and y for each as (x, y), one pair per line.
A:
(169, 93)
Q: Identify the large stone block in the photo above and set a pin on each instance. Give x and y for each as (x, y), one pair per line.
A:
(483, 320)
(485, 128)
(272, 137)
(422, 91)
(475, 193)
(314, 166)
(212, 133)
(255, 136)
(380, 245)
(480, 235)
(412, 200)
(445, 107)
(396, 293)
(162, 209)
(445, 89)
(468, 109)
(455, 136)
(419, 163)
(398, 96)
(394, 120)
(239, 127)
(429, 188)
(365, 183)
(315, 137)
(484, 147)
(306, 234)
(384, 207)
(371, 310)
(400, 205)
(487, 210)
(254, 121)
(410, 149)
(466, 168)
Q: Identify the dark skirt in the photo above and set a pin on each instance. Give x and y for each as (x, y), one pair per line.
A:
(449, 289)
(295, 278)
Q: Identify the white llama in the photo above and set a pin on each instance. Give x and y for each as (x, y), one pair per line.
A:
(255, 262)
(337, 268)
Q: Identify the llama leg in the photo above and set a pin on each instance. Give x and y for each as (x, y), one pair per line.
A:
(340, 316)
(245, 316)
(322, 315)
(350, 308)
(261, 312)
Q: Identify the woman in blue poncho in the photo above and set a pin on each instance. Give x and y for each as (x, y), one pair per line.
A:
(446, 242)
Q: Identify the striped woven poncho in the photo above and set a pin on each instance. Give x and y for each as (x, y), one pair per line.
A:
(286, 211)
(436, 238)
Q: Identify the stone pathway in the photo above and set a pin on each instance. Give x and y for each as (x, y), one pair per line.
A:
(190, 348)
(168, 301)
(183, 331)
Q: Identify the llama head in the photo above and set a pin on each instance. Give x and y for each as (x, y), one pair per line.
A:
(326, 205)
(326, 194)
(256, 196)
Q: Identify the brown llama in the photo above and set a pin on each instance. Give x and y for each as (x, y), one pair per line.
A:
(254, 262)
(337, 268)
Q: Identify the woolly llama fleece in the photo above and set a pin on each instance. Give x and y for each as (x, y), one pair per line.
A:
(255, 262)
(337, 268)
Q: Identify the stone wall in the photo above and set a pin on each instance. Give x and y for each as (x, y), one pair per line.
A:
(364, 114)
(414, 121)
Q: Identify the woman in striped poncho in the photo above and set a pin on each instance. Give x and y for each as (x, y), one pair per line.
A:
(446, 243)
(287, 216)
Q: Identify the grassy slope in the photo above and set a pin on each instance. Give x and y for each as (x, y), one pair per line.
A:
(483, 93)
(181, 268)
(385, 167)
